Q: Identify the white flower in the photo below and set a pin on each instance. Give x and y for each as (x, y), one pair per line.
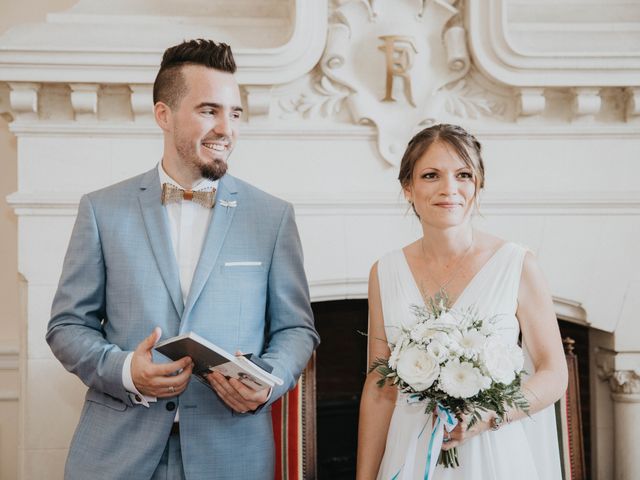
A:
(454, 347)
(501, 360)
(395, 354)
(438, 350)
(441, 337)
(461, 379)
(447, 319)
(471, 342)
(420, 332)
(417, 367)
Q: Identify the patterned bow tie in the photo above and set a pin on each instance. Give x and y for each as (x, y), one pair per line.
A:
(173, 194)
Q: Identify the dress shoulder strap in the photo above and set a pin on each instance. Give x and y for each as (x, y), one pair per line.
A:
(509, 271)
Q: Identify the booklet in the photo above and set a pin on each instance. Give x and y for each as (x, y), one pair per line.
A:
(207, 357)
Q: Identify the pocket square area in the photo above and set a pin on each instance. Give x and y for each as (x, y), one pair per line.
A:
(242, 264)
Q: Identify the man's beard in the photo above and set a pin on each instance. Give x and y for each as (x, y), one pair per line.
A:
(213, 171)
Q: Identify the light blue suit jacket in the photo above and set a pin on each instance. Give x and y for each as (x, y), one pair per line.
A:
(120, 279)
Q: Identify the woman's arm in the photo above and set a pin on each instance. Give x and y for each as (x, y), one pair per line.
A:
(376, 404)
(541, 335)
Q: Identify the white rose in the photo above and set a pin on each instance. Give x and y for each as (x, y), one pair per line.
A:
(461, 379)
(501, 360)
(418, 368)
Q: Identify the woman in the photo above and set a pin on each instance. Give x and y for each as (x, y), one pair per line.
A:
(441, 175)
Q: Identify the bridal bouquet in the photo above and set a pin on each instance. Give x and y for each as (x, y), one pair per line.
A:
(457, 363)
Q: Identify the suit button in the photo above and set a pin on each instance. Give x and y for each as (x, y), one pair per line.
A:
(171, 406)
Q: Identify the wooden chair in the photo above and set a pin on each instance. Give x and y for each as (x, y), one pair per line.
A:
(294, 429)
(570, 421)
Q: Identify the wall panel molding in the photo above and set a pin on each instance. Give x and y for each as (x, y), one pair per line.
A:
(9, 360)
(528, 43)
(372, 204)
(328, 131)
(105, 48)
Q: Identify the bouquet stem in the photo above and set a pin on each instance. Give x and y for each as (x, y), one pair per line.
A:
(449, 458)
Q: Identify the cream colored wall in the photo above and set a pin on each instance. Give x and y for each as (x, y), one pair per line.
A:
(8, 308)
(13, 13)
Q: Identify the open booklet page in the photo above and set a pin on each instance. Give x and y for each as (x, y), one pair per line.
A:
(208, 357)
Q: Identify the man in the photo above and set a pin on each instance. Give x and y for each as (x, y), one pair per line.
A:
(150, 257)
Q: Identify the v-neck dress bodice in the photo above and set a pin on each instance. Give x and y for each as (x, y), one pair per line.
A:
(526, 449)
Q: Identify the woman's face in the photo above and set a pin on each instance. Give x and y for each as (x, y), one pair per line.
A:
(442, 187)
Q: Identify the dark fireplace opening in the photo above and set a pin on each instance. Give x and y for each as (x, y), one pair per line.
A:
(341, 366)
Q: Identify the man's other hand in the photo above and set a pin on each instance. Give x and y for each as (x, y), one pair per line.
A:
(159, 380)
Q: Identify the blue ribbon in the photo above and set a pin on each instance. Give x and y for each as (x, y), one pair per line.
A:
(445, 420)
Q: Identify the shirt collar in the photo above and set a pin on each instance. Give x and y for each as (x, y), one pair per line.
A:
(204, 184)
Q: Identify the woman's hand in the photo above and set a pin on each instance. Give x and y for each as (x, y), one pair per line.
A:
(461, 433)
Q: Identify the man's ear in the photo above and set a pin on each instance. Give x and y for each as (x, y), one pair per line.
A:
(162, 113)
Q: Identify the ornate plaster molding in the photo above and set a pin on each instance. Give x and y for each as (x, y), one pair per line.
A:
(86, 45)
(521, 44)
(625, 381)
(366, 44)
(412, 50)
(621, 370)
(311, 130)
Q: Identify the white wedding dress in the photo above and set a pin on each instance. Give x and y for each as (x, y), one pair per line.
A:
(522, 450)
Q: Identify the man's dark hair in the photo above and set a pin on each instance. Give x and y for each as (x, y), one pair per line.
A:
(169, 86)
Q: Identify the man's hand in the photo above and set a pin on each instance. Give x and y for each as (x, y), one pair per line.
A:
(159, 380)
(236, 394)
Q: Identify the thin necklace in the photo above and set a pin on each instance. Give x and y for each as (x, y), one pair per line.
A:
(458, 266)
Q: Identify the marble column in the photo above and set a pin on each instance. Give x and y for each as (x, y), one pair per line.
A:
(625, 393)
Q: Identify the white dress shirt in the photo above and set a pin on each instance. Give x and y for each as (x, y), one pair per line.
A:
(188, 224)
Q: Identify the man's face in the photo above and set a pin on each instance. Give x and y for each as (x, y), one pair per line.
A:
(204, 124)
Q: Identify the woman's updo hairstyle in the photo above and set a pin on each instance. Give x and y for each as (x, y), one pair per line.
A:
(462, 142)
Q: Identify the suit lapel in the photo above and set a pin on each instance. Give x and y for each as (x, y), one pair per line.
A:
(155, 222)
(223, 213)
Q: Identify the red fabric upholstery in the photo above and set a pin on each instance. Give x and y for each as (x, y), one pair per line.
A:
(287, 432)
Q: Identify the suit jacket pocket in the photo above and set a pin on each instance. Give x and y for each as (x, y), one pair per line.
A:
(106, 400)
(259, 411)
(240, 268)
